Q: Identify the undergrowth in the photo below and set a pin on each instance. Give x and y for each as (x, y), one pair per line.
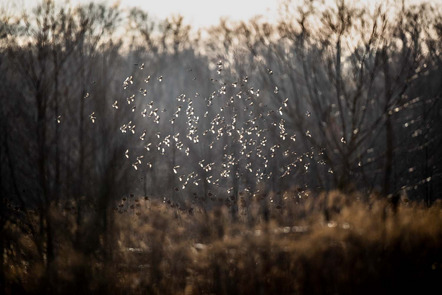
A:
(298, 243)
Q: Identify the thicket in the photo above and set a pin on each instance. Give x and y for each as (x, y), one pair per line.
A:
(328, 244)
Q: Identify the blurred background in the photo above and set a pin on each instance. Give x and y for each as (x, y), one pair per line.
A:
(105, 101)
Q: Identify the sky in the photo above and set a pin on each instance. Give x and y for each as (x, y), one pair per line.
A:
(199, 13)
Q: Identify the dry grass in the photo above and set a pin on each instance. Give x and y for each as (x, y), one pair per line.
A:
(327, 244)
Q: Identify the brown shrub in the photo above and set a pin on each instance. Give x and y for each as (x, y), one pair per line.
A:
(327, 244)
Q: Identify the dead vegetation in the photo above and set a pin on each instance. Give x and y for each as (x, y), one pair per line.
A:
(304, 244)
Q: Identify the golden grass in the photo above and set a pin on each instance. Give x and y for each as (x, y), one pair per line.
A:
(327, 244)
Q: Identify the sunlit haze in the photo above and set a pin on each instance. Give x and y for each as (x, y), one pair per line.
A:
(199, 13)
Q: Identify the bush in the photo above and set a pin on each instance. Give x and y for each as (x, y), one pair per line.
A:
(327, 244)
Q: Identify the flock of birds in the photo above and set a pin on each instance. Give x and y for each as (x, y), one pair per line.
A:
(233, 132)
(232, 140)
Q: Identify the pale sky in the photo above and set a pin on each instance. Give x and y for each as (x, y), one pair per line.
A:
(196, 12)
(199, 13)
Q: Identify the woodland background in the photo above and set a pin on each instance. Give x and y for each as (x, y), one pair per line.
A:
(109, 117)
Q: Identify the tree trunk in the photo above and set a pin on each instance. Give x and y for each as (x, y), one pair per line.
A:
(388, 155)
